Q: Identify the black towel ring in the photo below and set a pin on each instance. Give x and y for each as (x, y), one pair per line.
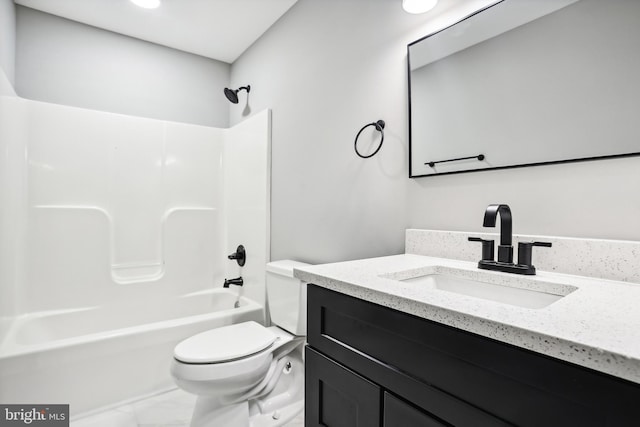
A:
(379, 127)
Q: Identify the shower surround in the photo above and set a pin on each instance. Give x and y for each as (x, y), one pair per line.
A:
(115, 231)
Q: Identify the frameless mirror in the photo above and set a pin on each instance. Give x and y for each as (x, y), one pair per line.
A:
(526, 82)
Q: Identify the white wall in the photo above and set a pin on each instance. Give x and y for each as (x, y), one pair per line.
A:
(327, 68)
(69, 63)
(7, 44)
(595, 199)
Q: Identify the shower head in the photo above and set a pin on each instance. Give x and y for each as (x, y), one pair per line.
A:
(232, 94)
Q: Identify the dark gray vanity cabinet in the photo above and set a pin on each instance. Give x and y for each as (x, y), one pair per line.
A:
(368, 365)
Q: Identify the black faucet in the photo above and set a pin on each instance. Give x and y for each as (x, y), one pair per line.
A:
(505, 249)
(237, 281)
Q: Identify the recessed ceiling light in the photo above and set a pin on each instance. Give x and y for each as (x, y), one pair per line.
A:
(147, 4)
(418, 6)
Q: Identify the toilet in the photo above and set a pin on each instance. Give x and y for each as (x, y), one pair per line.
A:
(246, 374)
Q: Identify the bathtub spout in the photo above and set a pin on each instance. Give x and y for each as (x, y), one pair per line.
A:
(237, 281)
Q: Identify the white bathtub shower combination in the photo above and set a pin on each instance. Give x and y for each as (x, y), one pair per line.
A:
(115, 235)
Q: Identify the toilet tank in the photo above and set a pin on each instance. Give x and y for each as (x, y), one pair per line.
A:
(287, 296)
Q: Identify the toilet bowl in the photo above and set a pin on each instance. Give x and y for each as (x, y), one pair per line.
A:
(246, 374)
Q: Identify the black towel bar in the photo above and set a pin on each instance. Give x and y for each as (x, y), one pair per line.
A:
(480, 157)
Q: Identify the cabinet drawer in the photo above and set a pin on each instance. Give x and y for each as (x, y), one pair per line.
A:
(515, 386)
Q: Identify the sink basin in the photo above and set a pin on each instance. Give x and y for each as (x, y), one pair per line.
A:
(514, 295)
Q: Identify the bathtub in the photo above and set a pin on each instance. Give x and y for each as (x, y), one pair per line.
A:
(96, 357)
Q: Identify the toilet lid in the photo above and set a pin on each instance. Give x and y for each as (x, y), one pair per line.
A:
(225, 343)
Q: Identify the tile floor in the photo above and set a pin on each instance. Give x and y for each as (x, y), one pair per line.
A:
(170, 409)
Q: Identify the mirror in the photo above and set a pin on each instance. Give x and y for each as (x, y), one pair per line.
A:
(526, 82)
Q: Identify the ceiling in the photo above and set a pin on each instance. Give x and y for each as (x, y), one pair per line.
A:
(218, 29)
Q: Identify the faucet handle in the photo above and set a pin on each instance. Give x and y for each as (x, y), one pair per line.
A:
(240, 255)
(525, 250)
(487, 247)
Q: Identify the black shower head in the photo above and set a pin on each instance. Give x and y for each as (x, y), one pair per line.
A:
(232, 94)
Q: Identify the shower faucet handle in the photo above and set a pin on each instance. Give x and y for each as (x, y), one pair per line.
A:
(240, 255)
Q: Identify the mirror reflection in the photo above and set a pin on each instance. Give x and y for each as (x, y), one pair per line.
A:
(525, 83)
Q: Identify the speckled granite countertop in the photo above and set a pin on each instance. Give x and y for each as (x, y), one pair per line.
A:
(596, 326)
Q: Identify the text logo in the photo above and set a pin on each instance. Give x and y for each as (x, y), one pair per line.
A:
(34, 415)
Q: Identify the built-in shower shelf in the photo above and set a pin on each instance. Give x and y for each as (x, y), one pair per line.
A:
(135, 260)
(141, 272)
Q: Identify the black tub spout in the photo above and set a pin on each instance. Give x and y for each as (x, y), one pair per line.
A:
(237, 281)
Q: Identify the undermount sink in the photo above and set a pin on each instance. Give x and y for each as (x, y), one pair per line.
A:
(518, 292)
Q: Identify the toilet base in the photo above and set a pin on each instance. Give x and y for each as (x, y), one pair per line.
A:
(286, 400)
(277, 407)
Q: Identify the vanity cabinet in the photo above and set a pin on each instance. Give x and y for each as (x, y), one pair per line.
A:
(368, 365)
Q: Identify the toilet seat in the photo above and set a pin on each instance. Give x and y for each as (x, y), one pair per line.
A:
(225, 344)
(238, 367)
(221, 371)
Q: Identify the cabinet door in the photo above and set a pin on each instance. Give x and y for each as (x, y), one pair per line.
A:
(338, 397)
(398, 413)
